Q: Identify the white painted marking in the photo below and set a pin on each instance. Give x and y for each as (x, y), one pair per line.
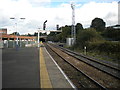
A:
(73, 86)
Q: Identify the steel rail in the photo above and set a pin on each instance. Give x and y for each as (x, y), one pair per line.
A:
(97, 83)
(115, 69)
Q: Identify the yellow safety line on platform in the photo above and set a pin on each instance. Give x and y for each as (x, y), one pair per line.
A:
(44, 77)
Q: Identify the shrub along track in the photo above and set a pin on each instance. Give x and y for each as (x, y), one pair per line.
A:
(101, 79)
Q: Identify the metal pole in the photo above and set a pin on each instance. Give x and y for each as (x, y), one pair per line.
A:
(119, 13)
(7, 43)
(13, 43)
(38, 39)
(73, 31)
(85, 50)
(16, 30)
(16, 36)
(20, 42)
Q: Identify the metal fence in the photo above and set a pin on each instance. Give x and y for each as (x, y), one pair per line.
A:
(12, 43)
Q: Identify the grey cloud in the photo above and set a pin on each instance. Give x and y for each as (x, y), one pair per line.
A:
(110, 15)
(111, 18)
(4, 21)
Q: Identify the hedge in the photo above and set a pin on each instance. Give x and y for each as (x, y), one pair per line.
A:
(107, 46)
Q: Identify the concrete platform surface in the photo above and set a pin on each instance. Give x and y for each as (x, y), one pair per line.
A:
(57, 79)
(20, 69)
(31, 68)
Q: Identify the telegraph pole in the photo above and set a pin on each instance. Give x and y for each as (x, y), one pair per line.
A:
(73, 31)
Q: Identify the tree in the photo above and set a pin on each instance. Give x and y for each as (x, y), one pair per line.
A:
(29, 34)
(111, 34)
(66, 32)
(61, 37)
(52, 37)
(15, 33)
(88, 35)
(35, 34)
(78, 27)
(98, 24)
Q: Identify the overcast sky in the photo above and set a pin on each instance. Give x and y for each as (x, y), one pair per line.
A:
(56, 12)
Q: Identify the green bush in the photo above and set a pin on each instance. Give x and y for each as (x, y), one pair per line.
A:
(88, 35)
(107, 47)
(113, 34)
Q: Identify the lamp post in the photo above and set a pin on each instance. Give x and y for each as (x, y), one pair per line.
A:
(13, 18)
(38, 38)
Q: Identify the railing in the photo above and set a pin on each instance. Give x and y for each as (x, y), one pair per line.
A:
(12, 43)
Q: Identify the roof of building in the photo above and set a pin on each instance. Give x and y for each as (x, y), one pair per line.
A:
(3, 28)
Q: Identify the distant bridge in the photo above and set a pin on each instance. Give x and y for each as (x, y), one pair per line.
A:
(44, 38)
(14, 37)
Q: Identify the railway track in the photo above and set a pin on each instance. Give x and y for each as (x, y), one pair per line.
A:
(105, 66)
(79, 80)
(90, 69)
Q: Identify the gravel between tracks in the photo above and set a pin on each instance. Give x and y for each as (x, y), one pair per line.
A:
(101, 77)
(79, 80)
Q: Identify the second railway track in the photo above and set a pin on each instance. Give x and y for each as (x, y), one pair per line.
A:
(110, 68)
(101, 78)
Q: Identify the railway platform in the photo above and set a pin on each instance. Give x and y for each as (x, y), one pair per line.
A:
(50, 73)
(32, 68)
(20, 68)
